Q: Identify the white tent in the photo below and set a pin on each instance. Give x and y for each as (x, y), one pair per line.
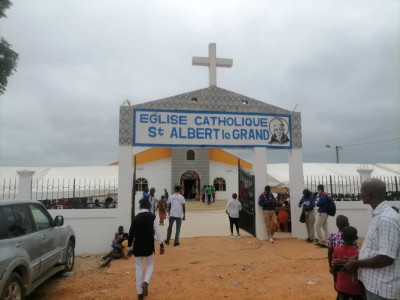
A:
(93, 177)
(278, 174)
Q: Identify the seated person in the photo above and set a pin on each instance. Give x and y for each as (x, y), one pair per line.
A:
(124, 245)
(120, 231)
(115, 253)
(109, 202)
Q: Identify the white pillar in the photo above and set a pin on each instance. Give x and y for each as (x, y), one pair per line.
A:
(296, 186)
(260, 174)
(25, 184)
(125, 172)
(365, 173)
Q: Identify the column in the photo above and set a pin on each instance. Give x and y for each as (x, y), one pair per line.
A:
(260, 174)
(125, 172)
(365, 172)
(25, 184)
(296, 186)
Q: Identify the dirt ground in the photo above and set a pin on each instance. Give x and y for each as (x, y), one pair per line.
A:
(208, 268)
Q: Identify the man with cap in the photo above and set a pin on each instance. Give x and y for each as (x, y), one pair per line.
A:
(141, 245)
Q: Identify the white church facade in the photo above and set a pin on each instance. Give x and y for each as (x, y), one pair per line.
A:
(191, 168)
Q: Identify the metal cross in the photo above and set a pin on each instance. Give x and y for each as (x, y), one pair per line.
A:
(212, 62)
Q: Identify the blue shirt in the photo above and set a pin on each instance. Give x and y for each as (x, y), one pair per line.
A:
(308, 203)
(322, 203)
(267, 202)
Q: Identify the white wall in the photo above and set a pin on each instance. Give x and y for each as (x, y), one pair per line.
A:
(230, 174)
(95, 228)
(358, 213)
(158, 173)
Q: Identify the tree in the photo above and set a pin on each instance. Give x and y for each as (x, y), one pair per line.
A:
(8, 57)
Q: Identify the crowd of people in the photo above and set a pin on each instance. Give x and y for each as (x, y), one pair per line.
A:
(208, 194)
(370, 272)
(373, 272)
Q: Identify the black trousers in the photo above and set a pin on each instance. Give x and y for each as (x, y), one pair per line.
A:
(236, 222)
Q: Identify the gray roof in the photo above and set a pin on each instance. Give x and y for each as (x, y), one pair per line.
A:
(209, 99)
(213, 99)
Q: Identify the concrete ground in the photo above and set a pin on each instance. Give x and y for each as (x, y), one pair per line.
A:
(206, 221)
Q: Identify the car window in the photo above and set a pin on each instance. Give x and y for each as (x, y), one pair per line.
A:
(3, 228)
(17, 220)
(41, 217)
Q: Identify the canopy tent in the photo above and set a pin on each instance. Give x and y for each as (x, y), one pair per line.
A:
(278, 174)
(93, 177)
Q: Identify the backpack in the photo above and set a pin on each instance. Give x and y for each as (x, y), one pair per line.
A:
(331, 207)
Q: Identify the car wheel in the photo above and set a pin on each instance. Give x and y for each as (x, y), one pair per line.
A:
(14, 288)
(70, 257)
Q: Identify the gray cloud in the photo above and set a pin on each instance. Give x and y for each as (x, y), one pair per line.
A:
(338, 61)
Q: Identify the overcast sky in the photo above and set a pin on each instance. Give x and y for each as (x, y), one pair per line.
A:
(338, 61)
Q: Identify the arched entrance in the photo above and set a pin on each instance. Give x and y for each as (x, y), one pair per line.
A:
(190, 183)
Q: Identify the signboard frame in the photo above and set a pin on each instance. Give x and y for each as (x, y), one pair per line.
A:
(190, 128)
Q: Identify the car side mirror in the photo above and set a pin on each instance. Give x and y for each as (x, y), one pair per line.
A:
(59, 221)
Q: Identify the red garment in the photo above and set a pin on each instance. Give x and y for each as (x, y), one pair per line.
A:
(345, 282)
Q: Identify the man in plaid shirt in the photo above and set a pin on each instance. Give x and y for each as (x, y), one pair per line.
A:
(378, 263)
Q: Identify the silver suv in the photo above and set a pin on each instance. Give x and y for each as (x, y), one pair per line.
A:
(33, 247)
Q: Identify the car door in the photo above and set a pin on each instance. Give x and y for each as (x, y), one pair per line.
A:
(50, 236)
(22, 236)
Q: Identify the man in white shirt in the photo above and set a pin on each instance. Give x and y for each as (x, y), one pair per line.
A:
(233, 207)
(378, 263)
(153, 200)
(176, 211)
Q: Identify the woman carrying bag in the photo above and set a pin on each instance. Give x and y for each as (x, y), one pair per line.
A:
(308, 213)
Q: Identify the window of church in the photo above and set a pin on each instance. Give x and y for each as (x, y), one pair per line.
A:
(141, 184)
(190, 155)
(219, 184)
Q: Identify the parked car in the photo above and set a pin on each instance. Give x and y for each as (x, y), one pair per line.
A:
(33, 247)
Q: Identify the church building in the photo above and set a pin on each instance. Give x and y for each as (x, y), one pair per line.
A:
(191, 168)
(186, 132)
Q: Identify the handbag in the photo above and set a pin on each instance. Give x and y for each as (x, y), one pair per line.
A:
(302, 217)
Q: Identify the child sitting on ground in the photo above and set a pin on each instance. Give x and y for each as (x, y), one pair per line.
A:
(347, 285)
(124, 244)
(115, 253)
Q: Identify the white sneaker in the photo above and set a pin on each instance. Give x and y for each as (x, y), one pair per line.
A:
(271, 240)
(238, 236)
(232, 236)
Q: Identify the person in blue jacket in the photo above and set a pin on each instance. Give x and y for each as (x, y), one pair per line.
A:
(308, 204)
(322, 218)
(268, 203)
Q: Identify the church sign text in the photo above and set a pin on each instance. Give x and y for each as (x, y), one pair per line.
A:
(212, 129)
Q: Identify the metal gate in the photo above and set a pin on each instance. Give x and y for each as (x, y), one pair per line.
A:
(247, 216)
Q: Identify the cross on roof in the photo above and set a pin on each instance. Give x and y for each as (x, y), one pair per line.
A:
(212, 62)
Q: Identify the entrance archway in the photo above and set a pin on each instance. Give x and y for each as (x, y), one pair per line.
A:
(190, 183)
(210, 118)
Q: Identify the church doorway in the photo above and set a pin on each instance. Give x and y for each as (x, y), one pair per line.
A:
(190, 183)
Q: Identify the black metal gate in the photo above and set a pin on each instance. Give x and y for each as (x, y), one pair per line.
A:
(247, 216)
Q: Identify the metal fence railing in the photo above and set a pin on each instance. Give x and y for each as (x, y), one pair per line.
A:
(347, 188)
(8, 188)
(68, 193)
(96, 193)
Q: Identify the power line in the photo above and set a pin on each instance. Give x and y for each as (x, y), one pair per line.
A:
(374, 142)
